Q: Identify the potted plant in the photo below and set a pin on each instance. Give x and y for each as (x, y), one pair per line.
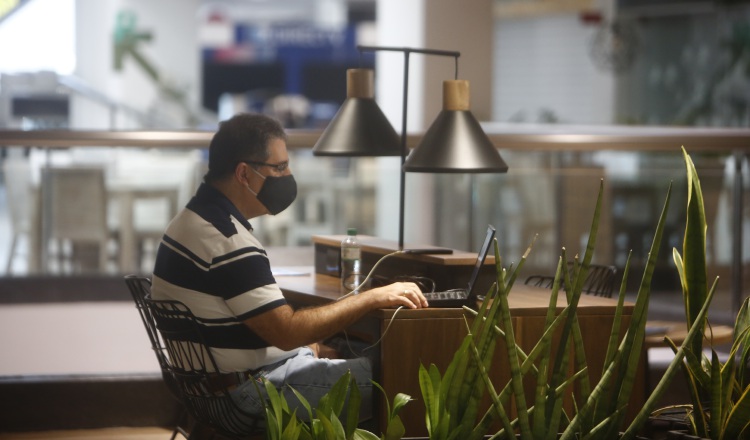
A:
(327, 421)
(719, 391)
(452, 401)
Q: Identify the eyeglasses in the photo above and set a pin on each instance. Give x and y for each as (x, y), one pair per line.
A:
(279, 167)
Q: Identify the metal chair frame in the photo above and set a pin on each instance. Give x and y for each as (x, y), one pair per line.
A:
(599, 281)
(192, 364)
(140, 288)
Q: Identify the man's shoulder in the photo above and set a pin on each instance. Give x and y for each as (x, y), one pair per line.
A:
(201, 238)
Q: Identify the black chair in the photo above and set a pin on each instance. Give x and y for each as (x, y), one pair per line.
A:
(599, 281)
(204, 391)
(140, 287)
(544, 281)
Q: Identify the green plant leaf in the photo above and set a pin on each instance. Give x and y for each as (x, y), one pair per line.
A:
(333, 401)
(699, 423)
(715, 421)
(352, 411)
(430, 394)
(395, 429)
(399, 402)
(742, 342)
(305, 404)
(275, 417)
(540, 421)
(515, 366)
(739, 417)
(361, 434)
(497, 406)
(661, 387)
(274, 428)
(728, 384)
(607, 404)
(292, 429)
(695, 286)
(327, 430)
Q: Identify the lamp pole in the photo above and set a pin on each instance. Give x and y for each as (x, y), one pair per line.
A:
(404, 106)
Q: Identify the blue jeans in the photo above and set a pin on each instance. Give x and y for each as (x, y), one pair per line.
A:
(310, 376)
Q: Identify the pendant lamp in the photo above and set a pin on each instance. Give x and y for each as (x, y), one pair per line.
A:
(359, 128)
(455, 142)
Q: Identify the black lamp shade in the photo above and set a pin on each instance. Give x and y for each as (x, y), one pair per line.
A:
(455, 142)
(359, 129)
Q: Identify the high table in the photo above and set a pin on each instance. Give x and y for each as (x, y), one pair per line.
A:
(408, 338)
(126, 191)
(677, 332)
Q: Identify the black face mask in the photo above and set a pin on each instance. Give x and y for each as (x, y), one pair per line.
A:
(277, 193)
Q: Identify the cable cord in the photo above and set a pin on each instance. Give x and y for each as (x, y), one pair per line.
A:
(369, 275)
(354, 292)
(374, 344)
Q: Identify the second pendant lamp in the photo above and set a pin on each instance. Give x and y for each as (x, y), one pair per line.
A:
(455, 142)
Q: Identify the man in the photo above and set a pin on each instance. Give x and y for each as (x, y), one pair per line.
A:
(209, 260)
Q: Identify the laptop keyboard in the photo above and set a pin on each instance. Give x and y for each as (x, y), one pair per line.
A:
(448, 294)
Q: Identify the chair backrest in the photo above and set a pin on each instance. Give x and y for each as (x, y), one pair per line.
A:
(140, 289)
(599, 281)
(191, 362)
(77, 202)
(544, 281)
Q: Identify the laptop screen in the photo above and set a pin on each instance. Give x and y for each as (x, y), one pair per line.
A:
(488, 239)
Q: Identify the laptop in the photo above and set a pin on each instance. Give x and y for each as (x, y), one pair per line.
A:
(456, 298)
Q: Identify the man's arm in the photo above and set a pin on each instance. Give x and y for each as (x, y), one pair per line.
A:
(287, 329)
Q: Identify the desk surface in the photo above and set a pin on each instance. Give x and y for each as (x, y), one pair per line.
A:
(303, 286)
(677, 331)
(380, 247)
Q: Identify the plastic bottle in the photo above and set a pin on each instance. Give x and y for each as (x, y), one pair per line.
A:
(351, 256)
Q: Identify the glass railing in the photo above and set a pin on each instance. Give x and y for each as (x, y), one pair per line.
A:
(123, 187)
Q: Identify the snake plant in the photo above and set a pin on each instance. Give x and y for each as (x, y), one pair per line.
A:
(453, 401)
(324, 421)
(719, 391)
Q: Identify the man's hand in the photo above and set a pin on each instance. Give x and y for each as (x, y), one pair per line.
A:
(287, 328)
(398, 294)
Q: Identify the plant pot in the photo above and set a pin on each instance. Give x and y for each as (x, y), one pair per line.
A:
(669, 426)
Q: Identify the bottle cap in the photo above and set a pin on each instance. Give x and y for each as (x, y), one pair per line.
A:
(351, 231)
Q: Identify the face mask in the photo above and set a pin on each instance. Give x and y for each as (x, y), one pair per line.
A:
(277, 193)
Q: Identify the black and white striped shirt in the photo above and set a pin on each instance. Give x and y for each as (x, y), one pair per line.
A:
(209, 260)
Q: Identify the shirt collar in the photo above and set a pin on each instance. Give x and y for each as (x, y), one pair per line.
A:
(207, 194)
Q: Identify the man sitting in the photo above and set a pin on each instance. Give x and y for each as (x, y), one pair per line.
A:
(210, 260)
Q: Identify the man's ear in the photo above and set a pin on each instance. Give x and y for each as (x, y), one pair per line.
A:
(241, 173)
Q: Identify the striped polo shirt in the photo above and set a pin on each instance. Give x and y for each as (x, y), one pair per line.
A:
(209, 260)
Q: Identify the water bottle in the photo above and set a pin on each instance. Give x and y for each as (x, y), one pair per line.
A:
(351, 257)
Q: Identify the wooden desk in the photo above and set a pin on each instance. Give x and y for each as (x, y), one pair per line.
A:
(448, 271)
(677, 331)
(428, 336)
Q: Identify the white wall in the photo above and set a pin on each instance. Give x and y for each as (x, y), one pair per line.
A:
(465, 27)
(173, 51)
(543, 64)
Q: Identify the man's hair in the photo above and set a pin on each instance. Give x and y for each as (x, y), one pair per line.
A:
(244, 136)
